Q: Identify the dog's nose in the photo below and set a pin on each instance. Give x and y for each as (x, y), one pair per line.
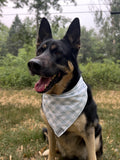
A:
(34, 65)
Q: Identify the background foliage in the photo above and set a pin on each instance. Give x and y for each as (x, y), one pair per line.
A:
(99, 56)
(14, 71)
(109, 28)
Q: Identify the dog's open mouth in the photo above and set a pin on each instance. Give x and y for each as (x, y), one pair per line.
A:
(46, 83)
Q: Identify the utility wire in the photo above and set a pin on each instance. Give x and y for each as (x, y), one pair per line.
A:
(51, 13)
(115, 12)
(77, 5)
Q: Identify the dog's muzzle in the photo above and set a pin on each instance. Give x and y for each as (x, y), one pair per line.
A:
(34, 66)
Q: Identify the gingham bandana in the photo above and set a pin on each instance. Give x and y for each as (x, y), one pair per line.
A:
(63, 110)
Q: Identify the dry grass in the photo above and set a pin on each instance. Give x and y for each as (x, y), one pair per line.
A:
(20, 98)
(109, 112)
(30, 97)
(21, 124)
(108, 97)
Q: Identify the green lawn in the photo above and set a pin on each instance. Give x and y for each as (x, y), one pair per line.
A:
(21, 124)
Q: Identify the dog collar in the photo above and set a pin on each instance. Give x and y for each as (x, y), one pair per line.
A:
(63, 110)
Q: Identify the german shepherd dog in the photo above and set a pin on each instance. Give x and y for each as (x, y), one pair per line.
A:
(56, 64)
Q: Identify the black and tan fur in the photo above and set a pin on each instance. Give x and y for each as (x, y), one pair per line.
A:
(58, 59)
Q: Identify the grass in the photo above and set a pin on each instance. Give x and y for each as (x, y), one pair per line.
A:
(20, 121)
(21, 124)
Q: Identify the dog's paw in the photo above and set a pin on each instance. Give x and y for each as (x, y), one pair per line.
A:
(45, 153)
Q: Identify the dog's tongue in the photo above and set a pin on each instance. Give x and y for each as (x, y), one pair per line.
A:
(41, 85)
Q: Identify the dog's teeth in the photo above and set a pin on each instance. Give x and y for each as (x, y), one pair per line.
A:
(45, 86)
(53, 76)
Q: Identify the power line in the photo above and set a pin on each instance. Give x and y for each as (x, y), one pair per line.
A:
(115, 12)
(80, 12)
(89, 4)
(77, 5)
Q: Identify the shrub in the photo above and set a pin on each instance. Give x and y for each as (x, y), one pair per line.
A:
(105, 75)
(14, 71)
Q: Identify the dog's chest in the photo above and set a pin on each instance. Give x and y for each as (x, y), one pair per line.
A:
(70, 145)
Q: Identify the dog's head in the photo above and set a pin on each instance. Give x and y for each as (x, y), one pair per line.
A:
(56, 60)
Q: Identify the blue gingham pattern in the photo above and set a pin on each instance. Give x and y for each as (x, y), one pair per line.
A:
(63, 110)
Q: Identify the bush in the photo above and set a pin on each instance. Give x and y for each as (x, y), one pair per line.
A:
(14, 71)
(105, 75)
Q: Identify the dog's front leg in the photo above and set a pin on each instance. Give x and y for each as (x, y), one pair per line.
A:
(89, 138)
(52, 143)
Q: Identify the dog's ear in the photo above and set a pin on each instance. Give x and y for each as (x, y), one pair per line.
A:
(73, 34)
(44, 31)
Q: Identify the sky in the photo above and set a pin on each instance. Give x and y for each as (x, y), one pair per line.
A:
(82, 11)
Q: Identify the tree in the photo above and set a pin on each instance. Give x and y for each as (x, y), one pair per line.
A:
(2, 3)
(16, 36)
(20, 34)
(3, 38)
(91, 46)
(29, 31)
(110, 29)
(58, 26)
(41, 7)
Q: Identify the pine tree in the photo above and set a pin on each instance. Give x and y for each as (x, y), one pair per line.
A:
(16, 36)
(3, 38)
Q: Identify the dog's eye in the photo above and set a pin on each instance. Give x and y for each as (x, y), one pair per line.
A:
(44, 46)
(54, 48)
(41, 49)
